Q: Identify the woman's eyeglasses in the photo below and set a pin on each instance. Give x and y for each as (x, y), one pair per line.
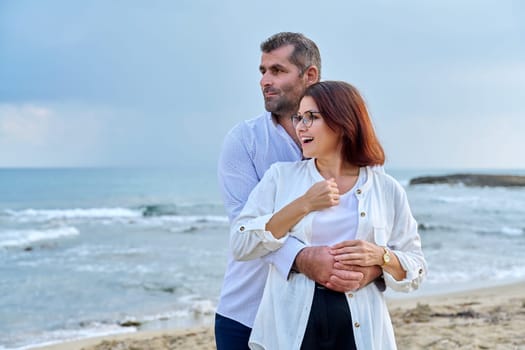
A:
(307, 118)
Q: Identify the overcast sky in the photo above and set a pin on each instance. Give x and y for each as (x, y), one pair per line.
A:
(120, 83)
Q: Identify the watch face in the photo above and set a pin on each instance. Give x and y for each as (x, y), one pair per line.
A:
(386, 258)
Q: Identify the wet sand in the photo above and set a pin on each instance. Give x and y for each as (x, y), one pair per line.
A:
(489, 318)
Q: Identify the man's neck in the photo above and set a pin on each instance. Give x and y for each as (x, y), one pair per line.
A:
(285, 121)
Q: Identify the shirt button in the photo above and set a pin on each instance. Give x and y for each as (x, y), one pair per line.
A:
(363, 214)
(241, 228)
(350, 295)
(357, 325)
(358, 191)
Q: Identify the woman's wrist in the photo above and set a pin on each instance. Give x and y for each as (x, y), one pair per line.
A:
(305, 204)
(385, 257)
(378, 254)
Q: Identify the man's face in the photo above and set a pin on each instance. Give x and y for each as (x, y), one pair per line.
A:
(281, 83)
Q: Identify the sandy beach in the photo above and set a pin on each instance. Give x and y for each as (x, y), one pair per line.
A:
(489, 318)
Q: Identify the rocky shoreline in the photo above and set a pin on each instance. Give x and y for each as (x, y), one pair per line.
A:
(479, 180)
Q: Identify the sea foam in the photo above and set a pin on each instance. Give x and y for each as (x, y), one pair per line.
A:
(51, 214)
(16, 238)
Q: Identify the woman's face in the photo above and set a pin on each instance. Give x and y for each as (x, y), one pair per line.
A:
(317, 140)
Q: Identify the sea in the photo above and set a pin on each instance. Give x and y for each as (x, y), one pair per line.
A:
(95, 251)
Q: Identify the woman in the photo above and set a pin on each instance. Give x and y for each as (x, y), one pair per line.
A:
(335, 196)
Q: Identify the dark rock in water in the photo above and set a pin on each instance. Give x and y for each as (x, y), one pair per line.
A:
(159, 210)
(157, 288)
(190, 229)
(130, 324)
(168, 290)
(472, 180)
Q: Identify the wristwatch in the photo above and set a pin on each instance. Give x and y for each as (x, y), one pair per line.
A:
(386, 257)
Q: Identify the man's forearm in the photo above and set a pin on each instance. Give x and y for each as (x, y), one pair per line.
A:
(283, 259)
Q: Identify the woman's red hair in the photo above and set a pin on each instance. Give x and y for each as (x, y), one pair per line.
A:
(343, 108)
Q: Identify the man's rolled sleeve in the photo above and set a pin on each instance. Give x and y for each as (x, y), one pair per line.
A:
(284, 258)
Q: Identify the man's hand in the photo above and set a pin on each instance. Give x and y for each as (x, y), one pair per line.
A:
(319, 265)
(370, 273)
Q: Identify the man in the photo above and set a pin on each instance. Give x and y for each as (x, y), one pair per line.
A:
(290, 63)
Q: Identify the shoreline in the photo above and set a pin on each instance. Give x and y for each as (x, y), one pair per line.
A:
(482, 318)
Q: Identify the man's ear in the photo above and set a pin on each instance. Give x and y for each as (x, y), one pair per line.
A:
(312, 75)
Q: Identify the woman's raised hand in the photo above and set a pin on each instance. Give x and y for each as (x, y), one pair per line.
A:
(322, 195)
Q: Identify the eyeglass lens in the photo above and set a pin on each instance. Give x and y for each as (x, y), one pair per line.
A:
(307, 118)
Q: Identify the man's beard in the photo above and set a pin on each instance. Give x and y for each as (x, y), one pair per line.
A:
(280, 106)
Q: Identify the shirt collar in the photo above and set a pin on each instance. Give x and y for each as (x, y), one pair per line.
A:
(365, 172)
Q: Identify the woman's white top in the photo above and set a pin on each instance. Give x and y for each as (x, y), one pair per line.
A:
(338, 223)
(384, 217)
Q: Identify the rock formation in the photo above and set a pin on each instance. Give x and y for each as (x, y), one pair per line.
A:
(472, 180)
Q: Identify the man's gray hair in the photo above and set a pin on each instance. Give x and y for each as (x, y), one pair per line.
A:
(305, 53)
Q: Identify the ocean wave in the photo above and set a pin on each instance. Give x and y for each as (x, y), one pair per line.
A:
(180, 209)
(87, 330)
(197, 219)
(183, 223)
(17, 238)
(434, 227)
(468, 199)
(88, 213)
(159, 210)
(166, 315)
(156, 217)
(201, 307)
(90, 329)
(505, 230)
(446, 276)
(512, 231)
(189, 307)
(185, 229)
(157, 288)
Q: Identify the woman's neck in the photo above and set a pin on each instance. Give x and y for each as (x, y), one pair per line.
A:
(344, 173)
(335, 167)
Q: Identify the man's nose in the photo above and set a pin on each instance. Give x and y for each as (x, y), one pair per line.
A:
(266, 80)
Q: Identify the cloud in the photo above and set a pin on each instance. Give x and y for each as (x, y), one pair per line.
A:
(25, 123)
(453, 141)
(510, 74)
(39, 134)
(147, 90)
